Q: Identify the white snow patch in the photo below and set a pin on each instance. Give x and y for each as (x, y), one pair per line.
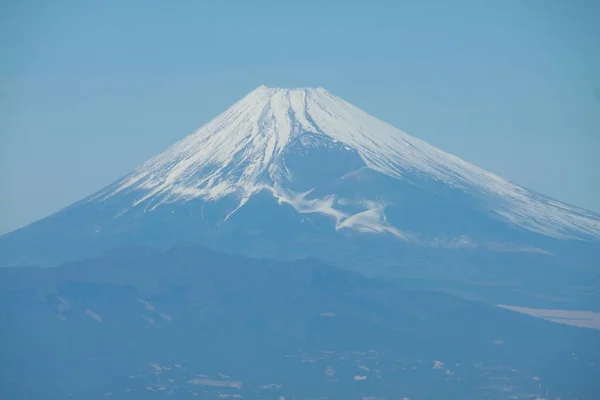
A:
(63, 304)
(371, 220)
(93, 315)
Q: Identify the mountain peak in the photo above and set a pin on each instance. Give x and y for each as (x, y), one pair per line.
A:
(233, 151)
(250, 148)
(282, 89)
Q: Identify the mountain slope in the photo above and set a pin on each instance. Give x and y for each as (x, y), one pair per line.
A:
(247, 148)
(291, 173)
(145, 324)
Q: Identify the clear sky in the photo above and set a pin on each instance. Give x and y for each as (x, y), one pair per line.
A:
(89, 90)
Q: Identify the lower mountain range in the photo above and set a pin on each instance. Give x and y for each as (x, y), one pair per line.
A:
(188, 322)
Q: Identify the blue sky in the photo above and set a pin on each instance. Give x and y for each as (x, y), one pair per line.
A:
(89, 90)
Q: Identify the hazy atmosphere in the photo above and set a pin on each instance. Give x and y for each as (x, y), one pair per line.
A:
(91, 90)
(327, 200)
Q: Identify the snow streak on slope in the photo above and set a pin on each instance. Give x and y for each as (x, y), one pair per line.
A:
(237, 153)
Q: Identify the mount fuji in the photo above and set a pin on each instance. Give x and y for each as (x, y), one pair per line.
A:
(291, 173)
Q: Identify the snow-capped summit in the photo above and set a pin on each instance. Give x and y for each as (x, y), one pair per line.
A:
(246, 150)
(299, 172)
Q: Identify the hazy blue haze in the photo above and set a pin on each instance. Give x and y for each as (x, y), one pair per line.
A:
(89, 91)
